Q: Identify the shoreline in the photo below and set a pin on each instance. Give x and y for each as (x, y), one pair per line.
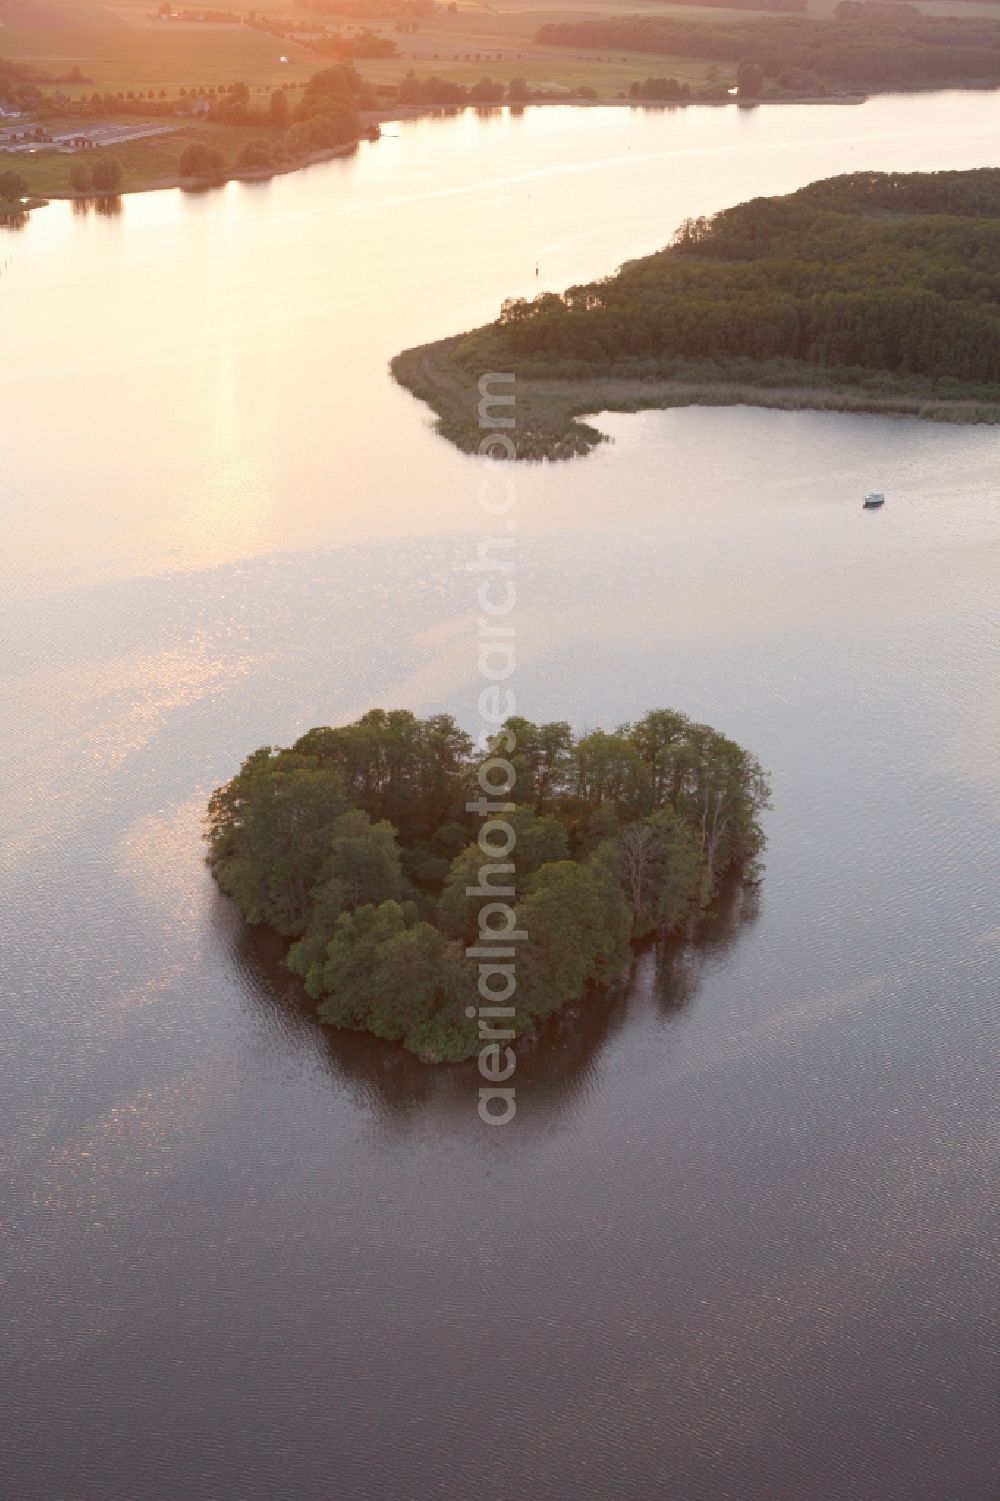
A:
(554, 411)
(205, 184)
(403, 112)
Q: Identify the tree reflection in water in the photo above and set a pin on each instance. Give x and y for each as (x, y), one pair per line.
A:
(555, 1065)
(108, 205)
(681, 962)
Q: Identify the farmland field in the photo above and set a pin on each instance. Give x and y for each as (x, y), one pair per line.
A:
(127, 47)
(120, 56)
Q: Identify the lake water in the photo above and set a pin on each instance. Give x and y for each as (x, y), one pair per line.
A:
(740, 1243)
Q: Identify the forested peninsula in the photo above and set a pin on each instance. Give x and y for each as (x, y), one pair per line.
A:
(869, 292)
(366, 846)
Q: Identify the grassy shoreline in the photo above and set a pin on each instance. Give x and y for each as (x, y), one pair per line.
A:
(146, 171)
(550, 409)
(201, 184)
(42, 189)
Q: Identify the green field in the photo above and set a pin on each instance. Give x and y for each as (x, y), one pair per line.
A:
(145, 57)
(144, 163)
(124, 47)
(139, 54)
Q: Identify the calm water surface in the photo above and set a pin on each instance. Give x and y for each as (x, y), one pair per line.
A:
(740, 1243)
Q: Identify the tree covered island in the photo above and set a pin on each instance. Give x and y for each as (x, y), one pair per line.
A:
(376, 848)
(869, 292)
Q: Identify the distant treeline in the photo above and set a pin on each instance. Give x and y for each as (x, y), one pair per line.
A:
(883, 47)
(369, 10)
(877, 271)
(754, 5)
(326, 43)
(446, 92)
(654, 89)
(365, 844)
(18, 84)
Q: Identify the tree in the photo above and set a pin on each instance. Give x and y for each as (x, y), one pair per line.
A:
(397, 766)
(80, 179)
(363, 860)
(635, 844)
(13, 187)
(749, 81)
(402, 982)
(486, 91)
(411, 981)
(332, 124)
(278, 109)
(362, 868)
(663, 870)
(256, 153)
(540, 758)
(345, 976)
(270, 832)
(518, 91)
(107, 174)
(342, 83)
(433, 90)
(615, 933)
(298, 140)
(537, 842)
(566, 918)
(609, 768)
(199, 160)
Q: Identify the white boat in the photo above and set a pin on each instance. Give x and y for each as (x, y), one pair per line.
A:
(874, 500)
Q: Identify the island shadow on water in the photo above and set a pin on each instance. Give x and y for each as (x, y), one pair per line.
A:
(555, 1063)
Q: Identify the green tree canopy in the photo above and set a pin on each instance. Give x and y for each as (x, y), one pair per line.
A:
(106, 174)
(538, 840)
(257, 153)
(199, 160)
(625, 833)
(749, 81)
(13, 187)
(567, 915)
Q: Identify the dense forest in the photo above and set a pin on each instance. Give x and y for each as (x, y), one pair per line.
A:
(873, 291)
(898, 273)
(866, 47)
(880, 271)
(365, 845)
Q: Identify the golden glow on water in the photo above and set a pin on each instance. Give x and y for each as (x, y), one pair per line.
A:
(73, 1220)
(740, 1235)
(231, 499)
(218, 361)
(108, 710)
(154, 857)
